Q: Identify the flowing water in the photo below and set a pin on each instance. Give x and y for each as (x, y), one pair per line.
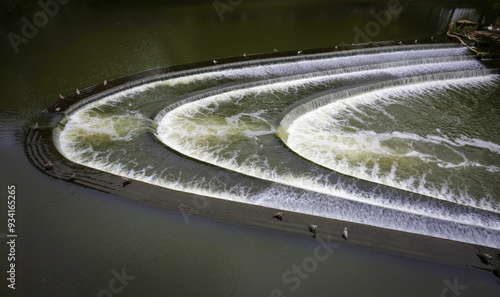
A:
(314, 134)
(377, 127)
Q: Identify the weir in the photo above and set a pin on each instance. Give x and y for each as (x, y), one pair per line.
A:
(141, 79)
(363, 68)
(313, 103)
(386, 199)
(335, 196)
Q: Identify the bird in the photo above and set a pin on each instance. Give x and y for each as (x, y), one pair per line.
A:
(48, 165)
(77, 92)
(275, 50)
(490, 27)
(61, 96)
(345, 234)
(72, 177)
(432, 37)
(484, 257)
(278, 215)
(401, 42)
(299, 52)
(244, 55)
(126, 181)
(58, 109)
(36, 126)
(215, 62)
(416, 40)
(352, 44)
(336, 47)
(312, 228)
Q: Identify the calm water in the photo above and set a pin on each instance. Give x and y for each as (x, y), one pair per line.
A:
(71, 239)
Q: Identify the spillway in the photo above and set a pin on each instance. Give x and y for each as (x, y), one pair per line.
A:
(399, 137)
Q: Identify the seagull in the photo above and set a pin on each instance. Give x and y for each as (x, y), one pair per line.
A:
(58, 109)
(275, 50)
(36, 126)
(484, 257)
(48, 166)
(278, 215)
(299, 52)
(345, 234)
(416, 41)
(313, 228)
(244, 55)
(126, 181)
(72, 177)
(490, 27)
(432, 37)
(215, 62)
(105, 82)
(61, 96)
(401, 42)
(336, 47)
(77, 92)
(352, 44)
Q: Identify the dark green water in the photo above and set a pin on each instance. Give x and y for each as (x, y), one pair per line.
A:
(70, 239)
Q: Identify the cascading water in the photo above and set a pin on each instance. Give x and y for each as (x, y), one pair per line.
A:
(335, 112)
(373, 136)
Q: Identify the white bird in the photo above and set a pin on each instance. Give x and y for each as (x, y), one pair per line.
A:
(299, 52)
(490, 27)
(36, 126)
(400, 42)
(215, 62)
(485, 256)
(416, 41)
(48, 166)
(126, 181)
(336, 47)
(77, 92)
(498, 29)
(432, 37)
(275, 50)
(61, 96)
(345, 234)
(313, 228)
(58, 109)
(278, 215)
(105, 82)
(244, 55)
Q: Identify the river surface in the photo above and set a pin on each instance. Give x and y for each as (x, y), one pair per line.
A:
(433, 136)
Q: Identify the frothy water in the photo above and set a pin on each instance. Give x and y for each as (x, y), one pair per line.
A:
(229, 116)
(391, 136)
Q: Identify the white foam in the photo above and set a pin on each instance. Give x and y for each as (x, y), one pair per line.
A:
(206, 140)
(316, 137)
